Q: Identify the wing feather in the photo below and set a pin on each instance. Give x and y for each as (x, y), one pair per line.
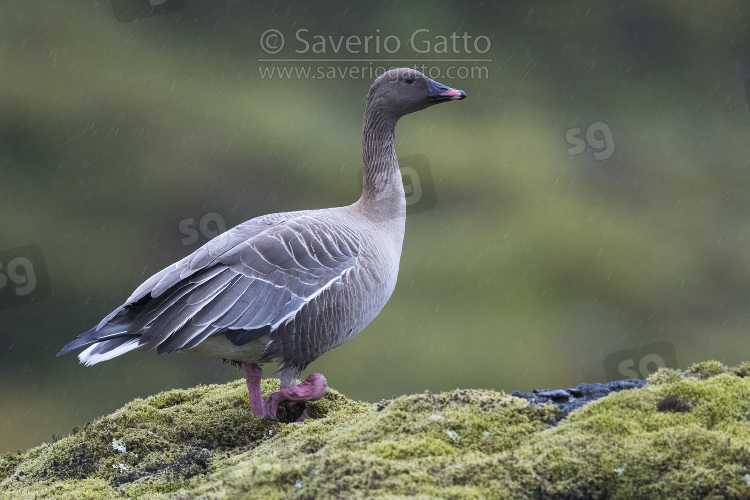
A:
(243, 283)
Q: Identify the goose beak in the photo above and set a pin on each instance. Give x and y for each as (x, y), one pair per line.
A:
(442, 93)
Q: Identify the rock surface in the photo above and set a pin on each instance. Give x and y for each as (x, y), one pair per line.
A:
(567, 400)
(683, 435)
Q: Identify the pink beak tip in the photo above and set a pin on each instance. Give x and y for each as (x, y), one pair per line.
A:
(453, 94)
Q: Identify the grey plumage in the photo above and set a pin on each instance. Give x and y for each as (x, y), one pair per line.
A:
(283, 273)
(283, 287)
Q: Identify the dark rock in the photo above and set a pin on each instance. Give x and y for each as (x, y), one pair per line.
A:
(556, 394)
(570, 399)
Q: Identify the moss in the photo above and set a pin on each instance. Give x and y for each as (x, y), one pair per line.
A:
(665, 376)
(684, 435)
(742, 370)
(8, 463)
(674, 404)
(706, 369)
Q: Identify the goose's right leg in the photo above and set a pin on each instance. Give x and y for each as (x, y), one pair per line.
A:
(312, 388)
(253, 374)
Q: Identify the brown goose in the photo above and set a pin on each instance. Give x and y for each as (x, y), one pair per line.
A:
(284, 287)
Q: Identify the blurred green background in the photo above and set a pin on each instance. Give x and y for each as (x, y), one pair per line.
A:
(546, 250)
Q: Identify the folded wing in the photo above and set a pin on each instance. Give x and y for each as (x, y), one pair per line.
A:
(243, 283)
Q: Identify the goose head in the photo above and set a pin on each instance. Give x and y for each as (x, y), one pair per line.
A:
(402, 91)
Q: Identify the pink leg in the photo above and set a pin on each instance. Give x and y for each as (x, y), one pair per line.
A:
(312, 388)
(253, 375)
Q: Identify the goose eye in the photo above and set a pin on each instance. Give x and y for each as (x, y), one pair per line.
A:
(409, 79)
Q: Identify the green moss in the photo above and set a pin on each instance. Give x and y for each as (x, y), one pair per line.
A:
(742, 370)
(665, 376)
(706, 369)
(681, 436)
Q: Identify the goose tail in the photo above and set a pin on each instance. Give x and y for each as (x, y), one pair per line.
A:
(108, 349)
(102, 344)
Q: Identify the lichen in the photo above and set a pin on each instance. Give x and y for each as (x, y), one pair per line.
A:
(683, 435)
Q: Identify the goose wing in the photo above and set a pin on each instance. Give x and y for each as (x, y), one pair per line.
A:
(245, 283)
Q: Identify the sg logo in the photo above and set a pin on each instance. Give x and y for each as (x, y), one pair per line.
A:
(23, 276)
(598, 136)
(209, 226)
(419, 187)
(641, 361)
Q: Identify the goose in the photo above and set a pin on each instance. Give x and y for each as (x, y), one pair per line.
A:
(284, 287)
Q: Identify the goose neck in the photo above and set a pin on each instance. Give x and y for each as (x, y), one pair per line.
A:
(379, 155)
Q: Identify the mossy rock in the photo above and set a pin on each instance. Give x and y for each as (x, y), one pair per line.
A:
(684, 435)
